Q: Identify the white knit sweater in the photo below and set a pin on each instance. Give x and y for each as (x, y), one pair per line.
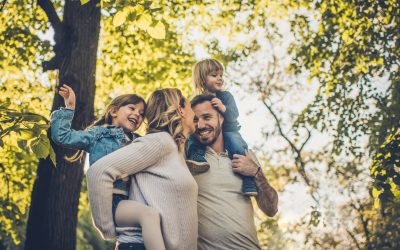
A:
(164, 183)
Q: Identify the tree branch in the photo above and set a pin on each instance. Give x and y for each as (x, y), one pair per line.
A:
(59, 36)
(354, 239)
(51, 13)
(2, 5)
(308, 138)
(300, 164)
(364, 221)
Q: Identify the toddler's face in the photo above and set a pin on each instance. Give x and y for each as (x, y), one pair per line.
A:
(215, 83)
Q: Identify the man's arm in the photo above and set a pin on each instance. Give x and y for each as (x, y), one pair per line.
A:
(267, 198)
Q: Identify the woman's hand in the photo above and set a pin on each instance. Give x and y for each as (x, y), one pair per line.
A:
(69, 96)
(216, 102)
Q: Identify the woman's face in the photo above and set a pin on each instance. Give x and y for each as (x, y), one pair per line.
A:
(187, 118)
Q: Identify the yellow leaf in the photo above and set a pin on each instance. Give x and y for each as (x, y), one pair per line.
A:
(26, 134)
(375, 192)
(158, 31)
(144, 21)
(84, 2)
(120, 18)
(376, 203)
(139, 9)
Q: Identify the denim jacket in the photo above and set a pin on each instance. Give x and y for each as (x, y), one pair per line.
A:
(98, 141)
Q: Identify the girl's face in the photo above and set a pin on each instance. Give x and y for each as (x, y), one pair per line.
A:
(215, 83)
(128, 117)
(187, 118)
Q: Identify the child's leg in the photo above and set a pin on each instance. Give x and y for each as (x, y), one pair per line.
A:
(235, 144)
(131, 212)
(195, 153)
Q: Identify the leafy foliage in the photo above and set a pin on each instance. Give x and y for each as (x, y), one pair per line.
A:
(385, 169)
(351, 49)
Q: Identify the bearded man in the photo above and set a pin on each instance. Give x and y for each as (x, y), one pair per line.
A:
(226, 216)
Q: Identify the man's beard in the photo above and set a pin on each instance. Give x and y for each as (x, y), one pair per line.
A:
(214, 139)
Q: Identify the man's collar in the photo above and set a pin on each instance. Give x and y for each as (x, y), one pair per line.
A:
(210, 150)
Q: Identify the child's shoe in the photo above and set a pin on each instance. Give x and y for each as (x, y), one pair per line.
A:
(249, 187)
(197, 164)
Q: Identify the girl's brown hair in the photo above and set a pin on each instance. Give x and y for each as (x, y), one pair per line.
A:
(106, 117)
(200, 72)
(162, 114)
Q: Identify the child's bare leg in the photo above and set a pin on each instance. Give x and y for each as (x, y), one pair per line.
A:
(132, 212)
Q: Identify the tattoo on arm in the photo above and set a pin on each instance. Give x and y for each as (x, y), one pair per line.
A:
(267, 198)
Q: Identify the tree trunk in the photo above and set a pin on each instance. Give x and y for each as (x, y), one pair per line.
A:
(55, 196)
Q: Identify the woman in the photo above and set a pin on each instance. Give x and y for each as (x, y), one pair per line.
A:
(161, 178)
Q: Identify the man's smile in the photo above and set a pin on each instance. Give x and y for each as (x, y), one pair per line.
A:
(204, 132)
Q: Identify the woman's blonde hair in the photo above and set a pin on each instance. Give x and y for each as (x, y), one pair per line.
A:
(200, 72)
(162, 114)
(106, 117)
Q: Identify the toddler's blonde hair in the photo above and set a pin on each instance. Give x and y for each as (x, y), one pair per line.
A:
(200, 72)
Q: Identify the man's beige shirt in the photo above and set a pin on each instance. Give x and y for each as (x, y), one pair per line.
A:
(225, 216)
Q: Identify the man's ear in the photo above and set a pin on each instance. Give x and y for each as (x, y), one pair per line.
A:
(221, 118)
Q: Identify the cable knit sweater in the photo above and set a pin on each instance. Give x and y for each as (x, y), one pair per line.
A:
(163, 182)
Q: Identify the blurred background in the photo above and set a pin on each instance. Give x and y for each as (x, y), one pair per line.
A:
(317, 83)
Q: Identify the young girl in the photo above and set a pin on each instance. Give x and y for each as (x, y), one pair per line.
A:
(113, 130)
(207, 76)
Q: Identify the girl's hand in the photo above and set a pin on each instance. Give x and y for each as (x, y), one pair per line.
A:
(69, 96)
(216, 102)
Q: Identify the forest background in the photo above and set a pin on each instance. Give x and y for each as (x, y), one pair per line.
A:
(317, 83)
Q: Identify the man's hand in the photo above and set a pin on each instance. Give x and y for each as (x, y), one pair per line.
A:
(69, 96)
(216, 102)
(244, 165)
(267, 198)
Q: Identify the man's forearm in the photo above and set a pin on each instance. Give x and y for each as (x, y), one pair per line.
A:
(267, 198)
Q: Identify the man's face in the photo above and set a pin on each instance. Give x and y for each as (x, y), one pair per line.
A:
(207, 122)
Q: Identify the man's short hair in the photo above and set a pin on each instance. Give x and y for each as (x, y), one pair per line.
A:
(199, 99)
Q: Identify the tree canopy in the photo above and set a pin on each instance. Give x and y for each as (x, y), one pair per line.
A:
(321, 70)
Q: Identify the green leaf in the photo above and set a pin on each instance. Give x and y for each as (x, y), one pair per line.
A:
(53, 156)
(5, 104)
(23, 144)
(26, 134)
(40, 146)
(29, 117)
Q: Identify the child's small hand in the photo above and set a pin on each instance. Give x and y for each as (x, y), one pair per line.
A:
(69, 96)
(216, 102)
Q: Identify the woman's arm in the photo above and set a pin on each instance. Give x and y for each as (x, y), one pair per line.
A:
(144, 152)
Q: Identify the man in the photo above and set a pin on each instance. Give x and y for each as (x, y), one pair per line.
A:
(225, 215)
